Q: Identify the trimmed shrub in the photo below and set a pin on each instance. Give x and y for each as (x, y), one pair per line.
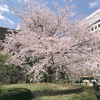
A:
(16, 94)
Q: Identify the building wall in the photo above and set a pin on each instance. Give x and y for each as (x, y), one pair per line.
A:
(3, 31)
(92, 21)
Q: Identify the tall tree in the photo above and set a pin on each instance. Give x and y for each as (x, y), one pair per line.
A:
(49, 39)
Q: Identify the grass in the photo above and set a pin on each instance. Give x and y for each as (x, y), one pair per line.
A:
(67, 97)
(87, 94)
(40, 86)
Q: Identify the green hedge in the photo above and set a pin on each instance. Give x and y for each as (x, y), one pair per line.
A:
(16, 94)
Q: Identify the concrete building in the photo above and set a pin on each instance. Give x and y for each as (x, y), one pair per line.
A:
(93, 21)
(4, 31)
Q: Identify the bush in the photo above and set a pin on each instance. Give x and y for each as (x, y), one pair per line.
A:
(16, 94)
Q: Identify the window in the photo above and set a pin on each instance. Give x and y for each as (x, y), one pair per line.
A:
(95, 27)
(91, 29)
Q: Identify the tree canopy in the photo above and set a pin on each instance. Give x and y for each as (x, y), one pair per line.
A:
(50, 39)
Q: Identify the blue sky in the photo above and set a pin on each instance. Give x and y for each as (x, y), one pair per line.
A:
(10, 20)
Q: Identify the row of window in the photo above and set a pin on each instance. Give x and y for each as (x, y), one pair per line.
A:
(94, 28)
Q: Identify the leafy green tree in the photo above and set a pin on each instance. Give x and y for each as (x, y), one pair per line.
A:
(9, 73)
(3, 69)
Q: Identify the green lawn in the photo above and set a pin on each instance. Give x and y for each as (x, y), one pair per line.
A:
(87, 94)
(40, 86)
(80, 96)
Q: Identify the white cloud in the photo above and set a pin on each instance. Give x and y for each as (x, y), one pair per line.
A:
(4, 8)
(9, 21)
(94, 4)
(2, 17)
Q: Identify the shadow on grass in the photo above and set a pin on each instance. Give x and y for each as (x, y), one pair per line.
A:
(55, 92)
(16, 94)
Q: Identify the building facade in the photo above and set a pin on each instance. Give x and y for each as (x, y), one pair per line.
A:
(93, 21)
(4, 31)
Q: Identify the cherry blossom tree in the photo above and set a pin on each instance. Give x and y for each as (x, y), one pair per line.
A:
(49, 40)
